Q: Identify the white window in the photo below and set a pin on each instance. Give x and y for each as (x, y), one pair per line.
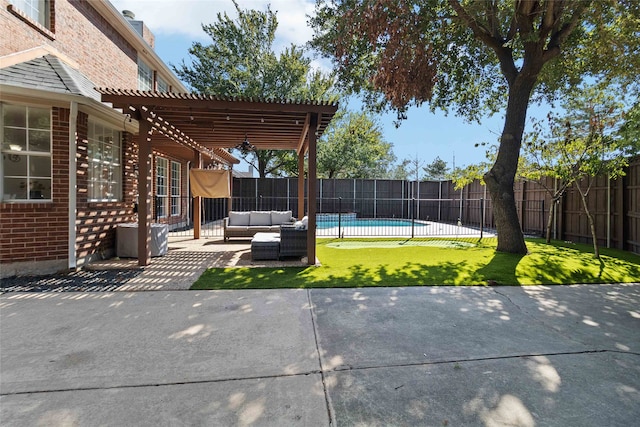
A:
(36, 10)
(105, 165)
(175, 188)
(145, 76)
(162, 172)
(25, 136)
(162, 85)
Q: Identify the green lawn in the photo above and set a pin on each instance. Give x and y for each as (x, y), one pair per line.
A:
(354, 263)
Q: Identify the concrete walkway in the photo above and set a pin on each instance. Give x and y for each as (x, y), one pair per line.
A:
(437, 356)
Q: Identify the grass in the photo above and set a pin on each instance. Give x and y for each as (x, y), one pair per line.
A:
(413, 265)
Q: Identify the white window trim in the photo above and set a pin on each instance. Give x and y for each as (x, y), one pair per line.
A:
(161, 82)
(179, 187)
(120, 183)
(165, 194)
(39, 14)
(144, 67)
(26, 153)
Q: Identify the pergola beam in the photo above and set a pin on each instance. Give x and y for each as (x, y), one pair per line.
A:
(303, 136)
(122, 98)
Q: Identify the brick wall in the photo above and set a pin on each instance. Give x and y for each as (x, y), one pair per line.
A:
(96, 221)
(103, 55)
(35, 235)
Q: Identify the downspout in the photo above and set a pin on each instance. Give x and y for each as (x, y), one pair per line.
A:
(71, 245)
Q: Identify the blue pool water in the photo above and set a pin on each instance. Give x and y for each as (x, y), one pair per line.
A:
(368, 222)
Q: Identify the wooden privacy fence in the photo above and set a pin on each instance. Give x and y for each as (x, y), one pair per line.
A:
(614, 204)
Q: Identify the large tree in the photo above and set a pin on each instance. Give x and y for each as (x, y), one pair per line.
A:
(478, 56)
(240, 61)
(353, 147)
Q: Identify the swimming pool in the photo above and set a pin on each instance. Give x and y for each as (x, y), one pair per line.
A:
(327, 226)
(368, 222)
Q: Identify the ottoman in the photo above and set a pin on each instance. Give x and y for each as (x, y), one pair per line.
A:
(265, 246)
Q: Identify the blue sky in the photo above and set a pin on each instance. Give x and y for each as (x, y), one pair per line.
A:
(176, 24)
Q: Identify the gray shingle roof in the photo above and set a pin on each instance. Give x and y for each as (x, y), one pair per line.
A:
(51, 74)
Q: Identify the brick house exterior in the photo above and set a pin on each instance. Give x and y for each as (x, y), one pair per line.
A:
(50, 62)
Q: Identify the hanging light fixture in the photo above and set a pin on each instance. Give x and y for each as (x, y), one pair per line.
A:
(245, 146)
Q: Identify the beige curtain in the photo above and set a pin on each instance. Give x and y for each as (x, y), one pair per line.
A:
(212, 184)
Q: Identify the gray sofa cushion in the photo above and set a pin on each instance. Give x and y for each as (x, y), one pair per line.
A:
(278, 217)
(239, 218)
(260, 218)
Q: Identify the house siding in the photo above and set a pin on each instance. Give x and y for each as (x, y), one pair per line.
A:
(96, 221)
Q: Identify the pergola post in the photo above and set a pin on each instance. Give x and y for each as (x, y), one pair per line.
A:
(197, 200)
(230, 204)
(300, 184)
(144, 193)
(311, 191)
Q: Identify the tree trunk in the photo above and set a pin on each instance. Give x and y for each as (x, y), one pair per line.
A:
(501, 177)
(262, 164)
(550, 219)
(592, 226)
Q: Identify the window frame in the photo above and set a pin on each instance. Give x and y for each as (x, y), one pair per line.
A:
(28, 154)
(175, 181)
(116, 167)
(36, 12)
(145, 76)
(162, 190)
(161, 84)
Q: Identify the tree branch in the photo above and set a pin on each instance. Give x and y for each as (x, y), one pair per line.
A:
(478, 29)
(496, 43)
(560, 36)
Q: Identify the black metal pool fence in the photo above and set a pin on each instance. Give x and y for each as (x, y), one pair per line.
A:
(339, 217)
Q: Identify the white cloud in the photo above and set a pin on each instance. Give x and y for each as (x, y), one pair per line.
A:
(186, 16)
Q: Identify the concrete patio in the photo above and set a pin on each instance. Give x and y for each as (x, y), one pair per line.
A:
(436, 356)
(186, 260)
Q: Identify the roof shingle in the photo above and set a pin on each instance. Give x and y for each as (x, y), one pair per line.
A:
(51, 74)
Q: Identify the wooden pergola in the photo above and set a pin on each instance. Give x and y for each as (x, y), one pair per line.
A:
(190, 126)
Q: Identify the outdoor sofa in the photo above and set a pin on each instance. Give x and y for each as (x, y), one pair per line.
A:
(247, 224)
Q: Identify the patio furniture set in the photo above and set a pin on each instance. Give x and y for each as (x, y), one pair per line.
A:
(275, 234)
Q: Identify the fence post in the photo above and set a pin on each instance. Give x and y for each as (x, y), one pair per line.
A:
(339, 215)
(481, 216)
(543, 231)
(375, 198)
(413, 217)
(260, 203)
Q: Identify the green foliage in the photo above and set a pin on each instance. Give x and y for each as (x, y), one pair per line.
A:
(436, 170)
(462, 177)
(240, 62)
(353, 147)
(400, 170)
(586, 141)
(629, 132)
(473, 46)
